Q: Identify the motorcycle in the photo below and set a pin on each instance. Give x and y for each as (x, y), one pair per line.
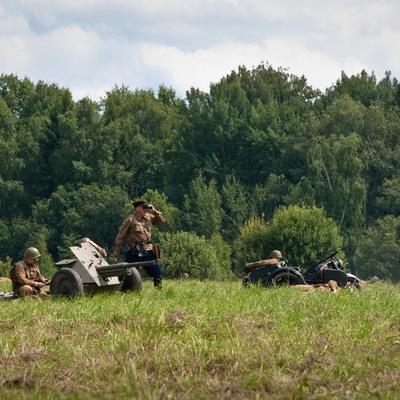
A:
(330, 268)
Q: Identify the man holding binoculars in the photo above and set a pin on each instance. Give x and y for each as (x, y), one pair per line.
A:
(136, 231)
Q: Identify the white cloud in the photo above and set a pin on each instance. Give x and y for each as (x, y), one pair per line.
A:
(92, 45)
(200, 68)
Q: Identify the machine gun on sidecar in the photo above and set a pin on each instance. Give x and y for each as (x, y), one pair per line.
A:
(330, 268)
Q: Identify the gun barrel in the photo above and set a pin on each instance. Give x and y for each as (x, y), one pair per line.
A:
(121, 269)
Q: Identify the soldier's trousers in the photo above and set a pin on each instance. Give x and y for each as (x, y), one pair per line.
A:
(154, 271)
(27, 290)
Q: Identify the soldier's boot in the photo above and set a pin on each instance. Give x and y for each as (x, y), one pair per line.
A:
(157, 283)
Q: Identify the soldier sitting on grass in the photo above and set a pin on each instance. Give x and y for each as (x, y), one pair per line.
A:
(26, 277)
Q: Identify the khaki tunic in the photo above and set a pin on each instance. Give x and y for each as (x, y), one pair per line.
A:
(24, 274)
(135, 230)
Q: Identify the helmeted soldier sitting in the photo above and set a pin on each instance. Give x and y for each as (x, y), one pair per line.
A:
(274, 258)
(26, 277)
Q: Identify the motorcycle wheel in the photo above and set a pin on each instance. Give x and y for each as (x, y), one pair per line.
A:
(353, 283)
(284, 278)
(245, 282)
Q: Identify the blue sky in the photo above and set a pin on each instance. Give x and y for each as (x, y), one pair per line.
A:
(89, 46)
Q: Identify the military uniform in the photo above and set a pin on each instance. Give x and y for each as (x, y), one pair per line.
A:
(137, 231)
(24, 278)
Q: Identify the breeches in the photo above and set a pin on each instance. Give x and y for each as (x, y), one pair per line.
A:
(154, 271)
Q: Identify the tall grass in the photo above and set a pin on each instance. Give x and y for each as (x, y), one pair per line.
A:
(202, 340)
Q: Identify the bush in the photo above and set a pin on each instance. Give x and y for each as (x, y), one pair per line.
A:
(252, 243)
(201, 258)
(5, 267)
(304, 235)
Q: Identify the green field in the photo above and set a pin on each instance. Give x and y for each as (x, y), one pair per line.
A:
(203, 340)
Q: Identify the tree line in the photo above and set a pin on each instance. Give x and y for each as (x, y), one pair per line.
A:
(224, 166)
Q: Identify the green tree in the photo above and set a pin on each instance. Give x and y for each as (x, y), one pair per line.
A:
(203, 208)
(138, 137)
(90, 211)
(267, 196)
(188, 147)
(360, 87)
(301, 194)
(365, 89)
(388, 202)
(78, 157)
(38, 135)
(336, 168)
(378, 250)
(18, 233)
(380, 153)
(237, 207)
(5, 239)
(13, 198)
(15, 92)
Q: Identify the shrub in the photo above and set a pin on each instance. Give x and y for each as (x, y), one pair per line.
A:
(303, 234)
(201, 258)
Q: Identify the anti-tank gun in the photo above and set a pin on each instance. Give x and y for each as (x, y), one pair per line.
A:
(90, 272)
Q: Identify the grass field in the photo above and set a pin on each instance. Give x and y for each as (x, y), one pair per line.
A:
(203, 340)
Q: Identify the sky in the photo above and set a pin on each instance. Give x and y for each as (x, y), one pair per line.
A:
(92, 46)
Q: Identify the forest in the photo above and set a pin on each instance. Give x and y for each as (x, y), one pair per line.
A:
(261, 161)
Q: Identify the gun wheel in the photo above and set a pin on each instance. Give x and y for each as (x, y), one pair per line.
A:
(131, 281)
(66, 282)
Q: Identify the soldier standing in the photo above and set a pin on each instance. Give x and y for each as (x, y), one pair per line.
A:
(136, 231)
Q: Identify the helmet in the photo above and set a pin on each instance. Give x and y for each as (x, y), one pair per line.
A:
(276, 254)
(32, 252)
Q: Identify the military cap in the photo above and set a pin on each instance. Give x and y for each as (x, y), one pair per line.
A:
(140, 203)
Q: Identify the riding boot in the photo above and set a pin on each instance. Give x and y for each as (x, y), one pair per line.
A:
(157, 283)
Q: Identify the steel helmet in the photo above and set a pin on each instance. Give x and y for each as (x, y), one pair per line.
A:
(276, 254)
(32, 252)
